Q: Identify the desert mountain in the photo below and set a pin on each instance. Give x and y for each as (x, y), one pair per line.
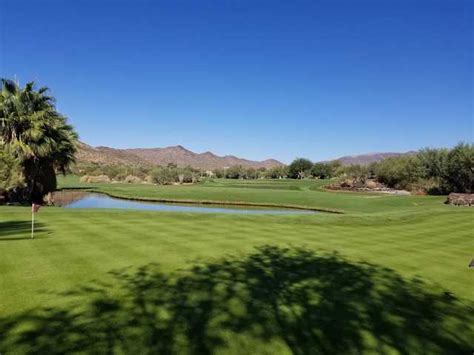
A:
(366, 159)
(163, 156)
(105, 155)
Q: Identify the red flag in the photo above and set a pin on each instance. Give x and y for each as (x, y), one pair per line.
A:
(35, 207)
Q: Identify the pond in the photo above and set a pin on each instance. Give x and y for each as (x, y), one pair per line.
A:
(78, 199)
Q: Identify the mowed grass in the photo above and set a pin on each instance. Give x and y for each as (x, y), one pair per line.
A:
(137, 281)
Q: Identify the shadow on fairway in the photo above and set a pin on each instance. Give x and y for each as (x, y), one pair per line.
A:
(18, 230)
(289, 298)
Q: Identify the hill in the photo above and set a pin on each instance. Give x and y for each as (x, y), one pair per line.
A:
(181, 156)
(366, 159)
(163, 156)
(106, 155)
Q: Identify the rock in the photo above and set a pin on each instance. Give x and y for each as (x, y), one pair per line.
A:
(459, 199)
(371, 184)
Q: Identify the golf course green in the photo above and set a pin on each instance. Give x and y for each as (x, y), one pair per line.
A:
(387, 274)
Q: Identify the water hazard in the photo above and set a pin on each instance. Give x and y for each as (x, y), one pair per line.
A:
(80, 199)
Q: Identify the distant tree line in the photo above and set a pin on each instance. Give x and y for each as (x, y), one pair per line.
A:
(434, 171)
(173, 174)
(170, 174)
(437, 171)
(161, 175)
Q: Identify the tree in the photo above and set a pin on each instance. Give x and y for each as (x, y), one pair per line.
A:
(433, 161)
(219, 173)
(187, 175)
(36, 134)
(336, 168)
(261, 173)
(300, 168)
(235, 172)
(399, 172)
(322, 170)
(277, 172)
(164, 175)
(459, 172)
(251, 173)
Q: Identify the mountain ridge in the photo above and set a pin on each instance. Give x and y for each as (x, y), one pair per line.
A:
(181, 156)
(366, 159)
(176, 154)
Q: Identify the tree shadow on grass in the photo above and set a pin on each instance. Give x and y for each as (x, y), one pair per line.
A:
(289, 299)
(18, 230)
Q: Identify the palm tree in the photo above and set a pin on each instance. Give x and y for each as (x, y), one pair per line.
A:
(37, 134)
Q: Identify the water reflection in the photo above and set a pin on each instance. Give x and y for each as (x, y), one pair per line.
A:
(81, 199)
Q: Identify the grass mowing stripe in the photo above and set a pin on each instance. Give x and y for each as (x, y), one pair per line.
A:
(415, 236)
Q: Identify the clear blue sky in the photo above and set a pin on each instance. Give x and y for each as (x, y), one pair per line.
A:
(257, 79)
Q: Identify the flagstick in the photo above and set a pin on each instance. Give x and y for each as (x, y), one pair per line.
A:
(32, 224)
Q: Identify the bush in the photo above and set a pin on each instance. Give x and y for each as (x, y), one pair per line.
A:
(399, 172)
(132, 179)
(164, 176)
(187, 175)
(219, 173)
(120, 177)
(277, 172)
(433, 161)
(458, 175)
(358, 173)
(116, 172)
(322, 171)
(95, 179)
(235, 172)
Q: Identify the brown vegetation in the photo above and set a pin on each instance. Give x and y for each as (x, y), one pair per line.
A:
(458, 199)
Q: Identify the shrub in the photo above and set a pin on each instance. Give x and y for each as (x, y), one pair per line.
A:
(322, 170)
(358, 173)
(458, 175)
(164, 176)
(399, 172)
(277, 172)
(132, 179)
(95, 179)
(235, 172)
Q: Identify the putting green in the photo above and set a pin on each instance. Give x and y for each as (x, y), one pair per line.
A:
(100, 280)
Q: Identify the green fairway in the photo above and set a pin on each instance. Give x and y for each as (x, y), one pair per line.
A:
(390, 274)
